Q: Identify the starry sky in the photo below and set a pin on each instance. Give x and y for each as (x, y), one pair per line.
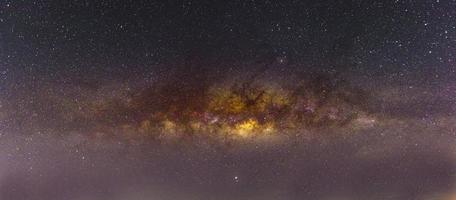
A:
(242, 99)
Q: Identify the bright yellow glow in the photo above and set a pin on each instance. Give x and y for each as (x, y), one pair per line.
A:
(247, 127)
(169, 126)
(145, 127)
(268, 128)
(196, 126)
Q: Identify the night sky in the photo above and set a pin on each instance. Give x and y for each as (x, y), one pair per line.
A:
(224, 100)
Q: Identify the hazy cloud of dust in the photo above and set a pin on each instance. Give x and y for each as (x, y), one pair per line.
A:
(389, 162)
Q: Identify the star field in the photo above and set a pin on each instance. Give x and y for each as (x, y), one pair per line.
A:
(227, 100)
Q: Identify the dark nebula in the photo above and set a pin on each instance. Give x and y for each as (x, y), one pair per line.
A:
(325, 100)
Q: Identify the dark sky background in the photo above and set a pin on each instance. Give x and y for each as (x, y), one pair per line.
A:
(319, 100)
